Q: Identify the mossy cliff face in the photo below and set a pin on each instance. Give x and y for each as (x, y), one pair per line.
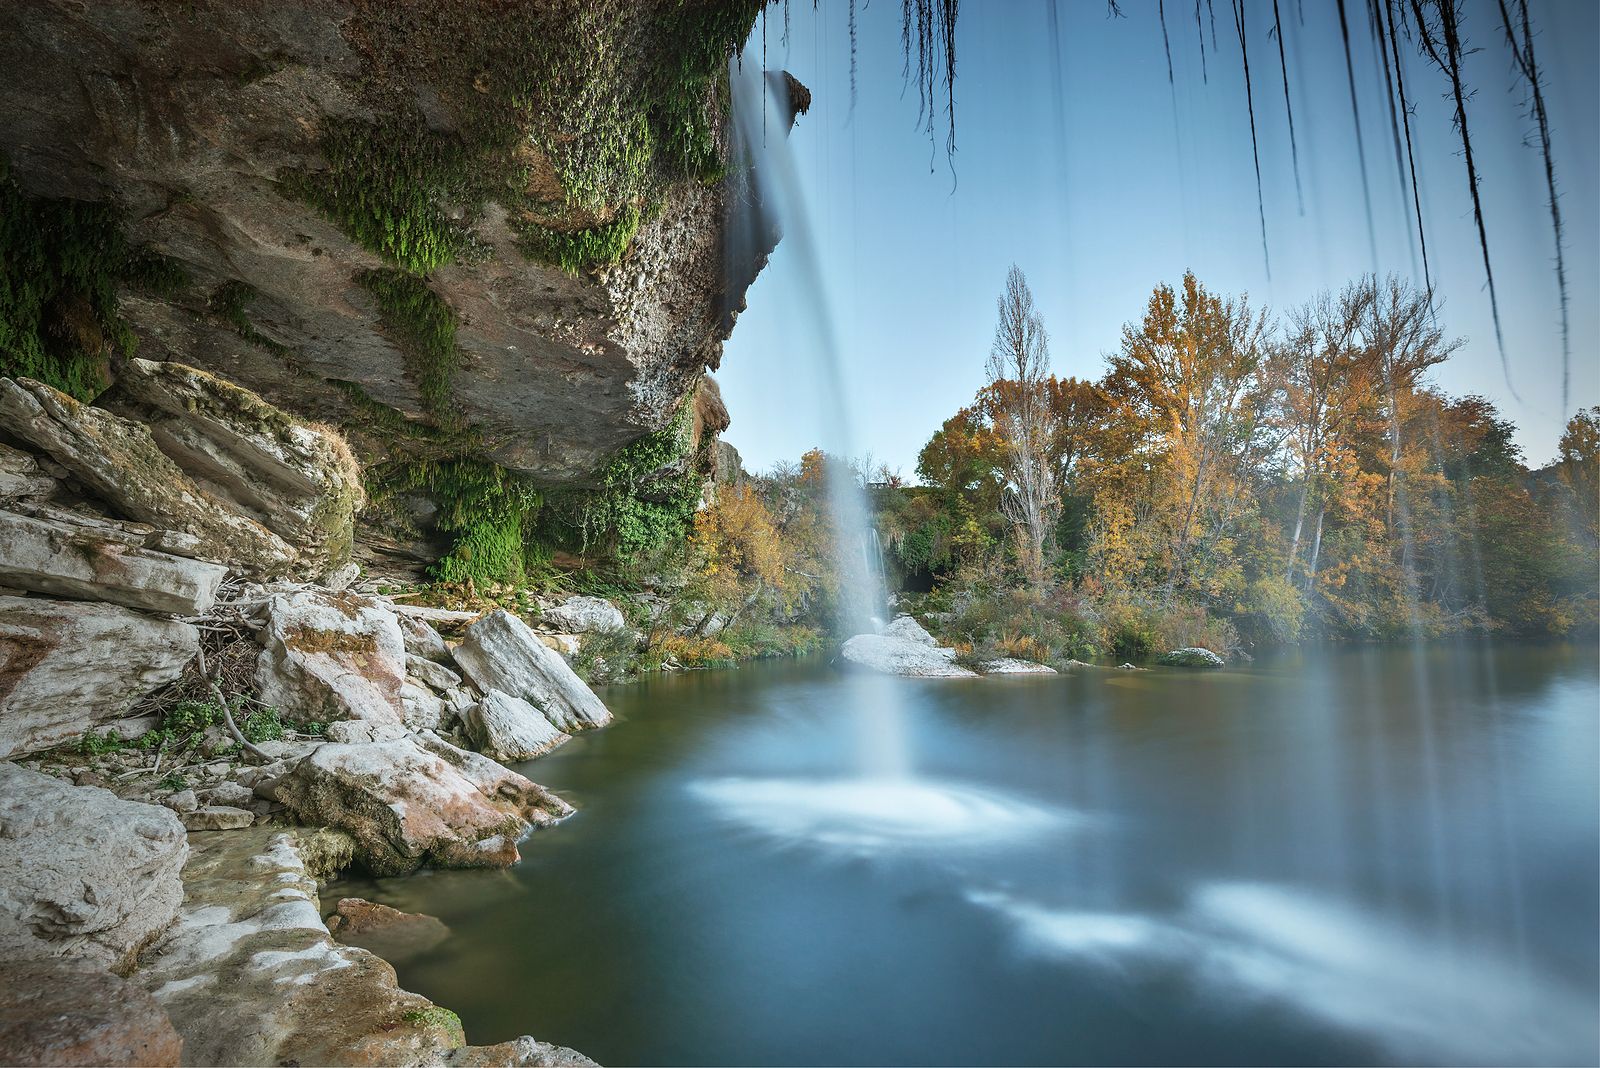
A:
(476, 229)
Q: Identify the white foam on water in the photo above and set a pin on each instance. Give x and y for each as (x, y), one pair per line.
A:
(878, 816)
(1420, 997)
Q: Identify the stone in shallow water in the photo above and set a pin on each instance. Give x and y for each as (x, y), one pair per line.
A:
(418, 800)
(508, 728)
(58, 1013)
(391, 934)
(500, 652)
(1009, 666)
(1191, 657)
(899, 656)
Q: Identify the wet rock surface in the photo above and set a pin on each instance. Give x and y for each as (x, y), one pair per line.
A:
(900, 656)
(58, 1013)
(388, 932)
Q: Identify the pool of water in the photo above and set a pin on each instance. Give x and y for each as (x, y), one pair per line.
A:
(1339, 856)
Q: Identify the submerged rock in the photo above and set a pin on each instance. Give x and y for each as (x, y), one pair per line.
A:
(1193, 657)
(501, 652)
(78, 560)
(418, 800)
(509, 728)
(1010, 666)
(521, 1052)
(908, 629)
(388, 932)
(68, 666)
(88, 876)
(60, 1013)
(898, 656)
(332, 656)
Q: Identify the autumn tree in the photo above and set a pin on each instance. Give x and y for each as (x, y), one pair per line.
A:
(1019, 363)
(1578, 467)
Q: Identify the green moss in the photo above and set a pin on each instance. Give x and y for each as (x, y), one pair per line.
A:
(61, 263)
(92, 744)
(424, 327)
(231, 302)
(435, 1016)
(579, 250)
(486, 509)
(390, 186)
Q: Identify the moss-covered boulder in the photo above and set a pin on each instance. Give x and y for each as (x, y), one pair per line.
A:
(1193, 657)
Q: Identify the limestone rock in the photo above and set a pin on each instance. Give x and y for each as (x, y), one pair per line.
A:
(1006, 665)
(1193, 657)
(249, 975)
(508, 728)
(21, 477)
(418, 800)
(422, 640)
(422, 709)
(431, 673)
(332, 656)
(180, 802)
(524, 1052)
(118, 460)
(356, 731)
(388, 932)
(70, 561)
(908, 629)
(298, 481)
(88, 876)
(500, 652)
(68, 666)
(579, 615)
(217, 818)
(60, 1013)
(898, 656)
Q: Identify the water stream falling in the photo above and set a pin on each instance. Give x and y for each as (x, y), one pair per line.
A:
(885, 806)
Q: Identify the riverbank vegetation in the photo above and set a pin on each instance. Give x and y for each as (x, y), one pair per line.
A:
(1238, 478)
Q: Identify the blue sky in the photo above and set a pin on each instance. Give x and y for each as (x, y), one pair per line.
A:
(1117, 182)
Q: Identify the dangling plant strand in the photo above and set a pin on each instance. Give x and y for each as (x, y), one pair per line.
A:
(1255, 150)
(1361, 141)
(1405, 122)
(1380, 40)
(1450, 64)
(1529, 69)
(1283, 65)
(1166, 44)
(1200, 32)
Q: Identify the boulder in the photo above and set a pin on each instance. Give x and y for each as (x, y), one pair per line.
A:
(908, 629)
(422, 709)
(391, 934)
(509, 728)
(119, 462)
(431, 673)
(354, 731)
(66, 560)
(579, 615)
(898, 656)
(299, 481)
(422, 640)
(89, 876)
(61, 1013)
(21, 477)
(1192, 657)
(332, 656)
(500, 652)
(1006, 665)
(68, 666)
(418, 800)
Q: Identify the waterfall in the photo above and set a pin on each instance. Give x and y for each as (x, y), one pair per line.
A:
(772, 200)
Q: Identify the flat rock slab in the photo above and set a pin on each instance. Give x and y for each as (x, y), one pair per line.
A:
(57, 1013)
(393, 935)
(501, 652)
(68, 666)
(217, 818)
(88, 876)
(1009, 666)
(65, 560)
(250, 975)
(899, 656)
(418, 800)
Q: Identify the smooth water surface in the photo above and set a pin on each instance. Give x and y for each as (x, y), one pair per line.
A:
(1342, 857)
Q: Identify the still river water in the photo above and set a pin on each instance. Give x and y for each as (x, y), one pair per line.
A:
(1338, 856)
